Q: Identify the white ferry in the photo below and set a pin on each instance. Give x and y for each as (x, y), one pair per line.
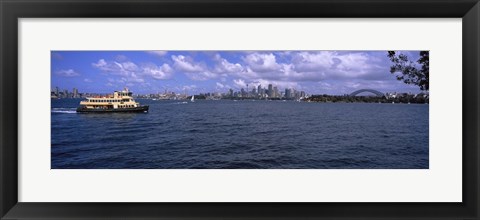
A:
(120, 101)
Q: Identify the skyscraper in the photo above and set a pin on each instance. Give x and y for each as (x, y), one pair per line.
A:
(288, 93)
(302, 94)
(270, 90)
(75, 93)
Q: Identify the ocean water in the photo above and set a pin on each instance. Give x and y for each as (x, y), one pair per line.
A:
(226, 134)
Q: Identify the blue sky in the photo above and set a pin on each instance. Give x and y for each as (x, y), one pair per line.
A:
(193, 72)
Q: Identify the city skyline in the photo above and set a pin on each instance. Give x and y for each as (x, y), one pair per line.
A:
(194, 72)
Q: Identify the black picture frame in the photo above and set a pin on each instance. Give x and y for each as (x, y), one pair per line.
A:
(12, 10)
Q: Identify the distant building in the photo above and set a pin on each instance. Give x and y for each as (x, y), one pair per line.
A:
(302, 94)
(75, 93)
(288, 93)
(270, 90)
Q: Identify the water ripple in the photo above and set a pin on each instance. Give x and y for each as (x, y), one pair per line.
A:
(242, 135)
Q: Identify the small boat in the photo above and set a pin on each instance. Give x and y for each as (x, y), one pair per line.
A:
(120, 101)
(193, 98)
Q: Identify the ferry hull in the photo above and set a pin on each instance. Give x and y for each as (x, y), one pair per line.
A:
(140, 109)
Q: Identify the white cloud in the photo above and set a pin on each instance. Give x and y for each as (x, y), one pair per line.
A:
(189, 87)
(194, 70)
(333, 65)
(87, 80)
(312, 66)
(225, 67)
(334, 70)
(116, 68)
(186, 64)
(239, 83)
(220, 85)
(262, 62)
(158, 72)
(312, 62)
(159, 53)
(67, 73)
(130, 74)
(121, 58)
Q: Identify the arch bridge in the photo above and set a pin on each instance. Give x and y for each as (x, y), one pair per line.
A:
(375, 92)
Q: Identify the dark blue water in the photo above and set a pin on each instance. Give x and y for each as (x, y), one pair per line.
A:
(242, 134)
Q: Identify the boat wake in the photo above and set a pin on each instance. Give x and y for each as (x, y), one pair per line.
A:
(64, 110)
(178, 103)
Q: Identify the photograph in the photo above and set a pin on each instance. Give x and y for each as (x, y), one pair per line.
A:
(239, 109)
